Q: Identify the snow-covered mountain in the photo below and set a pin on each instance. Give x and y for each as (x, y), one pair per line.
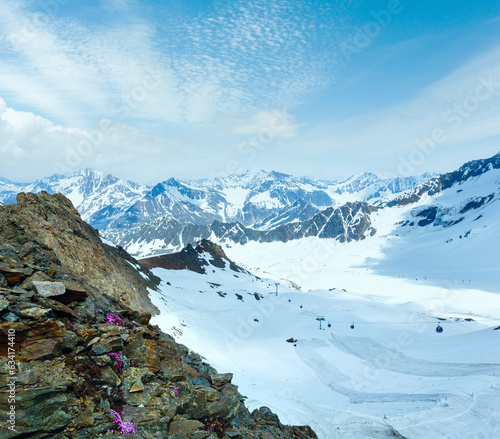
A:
(99, 197)
(266, 206)
(444, 232)
(429, 202)
(131, 213)
(350, 222)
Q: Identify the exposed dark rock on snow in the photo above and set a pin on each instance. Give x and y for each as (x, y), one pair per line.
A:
(350, 222)
(196, 259)
(441, 182)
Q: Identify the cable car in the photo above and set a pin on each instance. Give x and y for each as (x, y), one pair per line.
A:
(439, 329)
(352, 326)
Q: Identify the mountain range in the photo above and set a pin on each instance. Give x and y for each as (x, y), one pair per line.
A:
(262, 206)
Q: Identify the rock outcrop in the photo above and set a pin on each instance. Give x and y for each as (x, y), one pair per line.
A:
(76, 362)
(195, 259)
(47, 231)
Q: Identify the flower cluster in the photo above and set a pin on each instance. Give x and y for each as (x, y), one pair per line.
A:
(124, 426)
(112, 318)
(118, 361)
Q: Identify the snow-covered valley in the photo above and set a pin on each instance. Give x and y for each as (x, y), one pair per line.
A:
(392, 375)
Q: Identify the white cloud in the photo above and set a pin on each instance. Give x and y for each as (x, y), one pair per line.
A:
(450, 116)
(235, 61)
(32, 147)
(278, 123)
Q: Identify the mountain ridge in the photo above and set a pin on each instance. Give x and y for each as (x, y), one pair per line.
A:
(253, 206)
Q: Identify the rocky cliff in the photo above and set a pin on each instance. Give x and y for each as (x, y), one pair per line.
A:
(47, 231)
(76, 362)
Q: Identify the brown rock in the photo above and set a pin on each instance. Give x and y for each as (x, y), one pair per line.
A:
(171, 359)
(182, 427)
(140, 414)
(142, 352)
(89, 334)
(190, 371)
(40, 350)
(116, 343)
(48, 329)
(58, 307)
(14, 275)
(220, 379)
(137, 387)
(136, 316)
(86, 418)
(74, 291)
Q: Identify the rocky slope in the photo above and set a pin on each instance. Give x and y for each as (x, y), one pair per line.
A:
(81, 363)
(52, 225)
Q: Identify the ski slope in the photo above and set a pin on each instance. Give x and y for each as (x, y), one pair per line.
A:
(390, 376)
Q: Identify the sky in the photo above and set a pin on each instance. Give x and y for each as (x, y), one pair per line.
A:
(192, 89)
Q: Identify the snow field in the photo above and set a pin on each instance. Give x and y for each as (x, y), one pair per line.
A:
(392, 372)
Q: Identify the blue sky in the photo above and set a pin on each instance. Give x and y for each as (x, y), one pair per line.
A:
(153, 89)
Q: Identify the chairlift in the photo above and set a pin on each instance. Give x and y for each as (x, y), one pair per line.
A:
(320, 319)
(439, 329)
(352, 326)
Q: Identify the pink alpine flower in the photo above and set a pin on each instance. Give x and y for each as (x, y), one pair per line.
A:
(124, 426)
(112, 318)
